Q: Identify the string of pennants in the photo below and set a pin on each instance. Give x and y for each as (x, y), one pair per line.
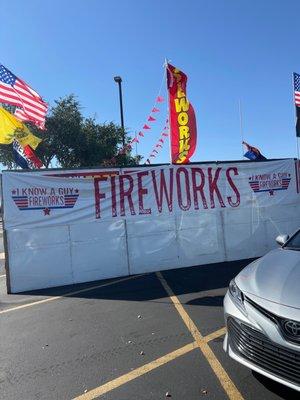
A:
(147, 126)
(159, 144)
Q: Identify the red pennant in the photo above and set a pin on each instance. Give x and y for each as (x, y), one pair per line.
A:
(158, 145)
(165, 134)
(151, 119)
(154, 109)
(161, 140)
(159, 99)
(146, 127)
(141, 134)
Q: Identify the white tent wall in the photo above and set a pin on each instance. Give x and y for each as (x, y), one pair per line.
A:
(73, 246)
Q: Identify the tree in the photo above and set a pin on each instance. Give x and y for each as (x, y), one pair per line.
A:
(70, 140)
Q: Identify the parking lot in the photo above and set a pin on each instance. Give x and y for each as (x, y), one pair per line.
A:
(150, 336)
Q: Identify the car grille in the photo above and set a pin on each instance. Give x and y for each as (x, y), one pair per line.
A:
(255, 347)
(279, 321)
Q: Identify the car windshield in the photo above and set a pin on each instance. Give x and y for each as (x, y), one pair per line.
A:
(294, 243)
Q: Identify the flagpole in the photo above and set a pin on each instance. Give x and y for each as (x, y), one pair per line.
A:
(241, 126)
(295, 115)
(168, 110)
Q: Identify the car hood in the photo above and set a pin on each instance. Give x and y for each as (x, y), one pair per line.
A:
(274, 277)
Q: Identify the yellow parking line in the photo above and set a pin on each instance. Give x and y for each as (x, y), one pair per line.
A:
(214, 335)
(35, 303)
(107, 387)
(227, 384)
(122, 380)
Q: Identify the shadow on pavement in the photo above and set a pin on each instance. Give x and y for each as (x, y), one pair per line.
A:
(211, 301)
(280, 390)
(147, 286)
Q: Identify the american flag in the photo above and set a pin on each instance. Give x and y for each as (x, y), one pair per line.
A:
(297, 89)
(30, 105)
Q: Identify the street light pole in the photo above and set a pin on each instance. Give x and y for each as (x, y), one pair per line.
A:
(118, 80)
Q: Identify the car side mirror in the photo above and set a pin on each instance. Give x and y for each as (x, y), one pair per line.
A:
(281, 239)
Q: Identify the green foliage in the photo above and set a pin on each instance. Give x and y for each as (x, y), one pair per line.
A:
(71, 141)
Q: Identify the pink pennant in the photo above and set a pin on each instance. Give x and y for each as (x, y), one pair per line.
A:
(165, 134)
(151, 119)
(141, 134)
(161, 140)
(135, 140)
(154, 109)
(158, 145)
(159, 99)
(146, 127)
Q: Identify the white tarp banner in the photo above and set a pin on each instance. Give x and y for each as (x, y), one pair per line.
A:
(73, 226)
(34, 199)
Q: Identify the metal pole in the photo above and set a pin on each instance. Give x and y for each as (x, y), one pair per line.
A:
(241, 126)
(295, 115)
(118, 79)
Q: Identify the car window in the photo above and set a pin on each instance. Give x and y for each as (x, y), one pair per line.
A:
(294, 243)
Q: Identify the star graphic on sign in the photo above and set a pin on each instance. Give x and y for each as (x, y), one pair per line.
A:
(271, 192)
(46, 211)
(76, 190)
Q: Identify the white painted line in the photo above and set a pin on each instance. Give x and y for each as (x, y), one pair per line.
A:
(2, 276)
(2, 256)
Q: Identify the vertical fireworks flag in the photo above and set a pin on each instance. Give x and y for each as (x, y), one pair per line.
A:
(30, 105)
(183, 128)
(297, 101)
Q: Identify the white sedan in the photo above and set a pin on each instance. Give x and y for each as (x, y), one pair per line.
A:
(262, 314)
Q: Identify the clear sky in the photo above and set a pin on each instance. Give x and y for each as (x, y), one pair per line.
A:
(230, 50)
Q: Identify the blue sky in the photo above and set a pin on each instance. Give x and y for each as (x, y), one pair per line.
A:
(230, 50)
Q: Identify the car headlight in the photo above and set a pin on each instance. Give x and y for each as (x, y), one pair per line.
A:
(237, 296)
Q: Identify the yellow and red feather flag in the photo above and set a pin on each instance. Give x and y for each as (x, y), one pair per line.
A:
(183, 128)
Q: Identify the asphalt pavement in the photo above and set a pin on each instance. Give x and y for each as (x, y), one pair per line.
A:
(146, 337)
